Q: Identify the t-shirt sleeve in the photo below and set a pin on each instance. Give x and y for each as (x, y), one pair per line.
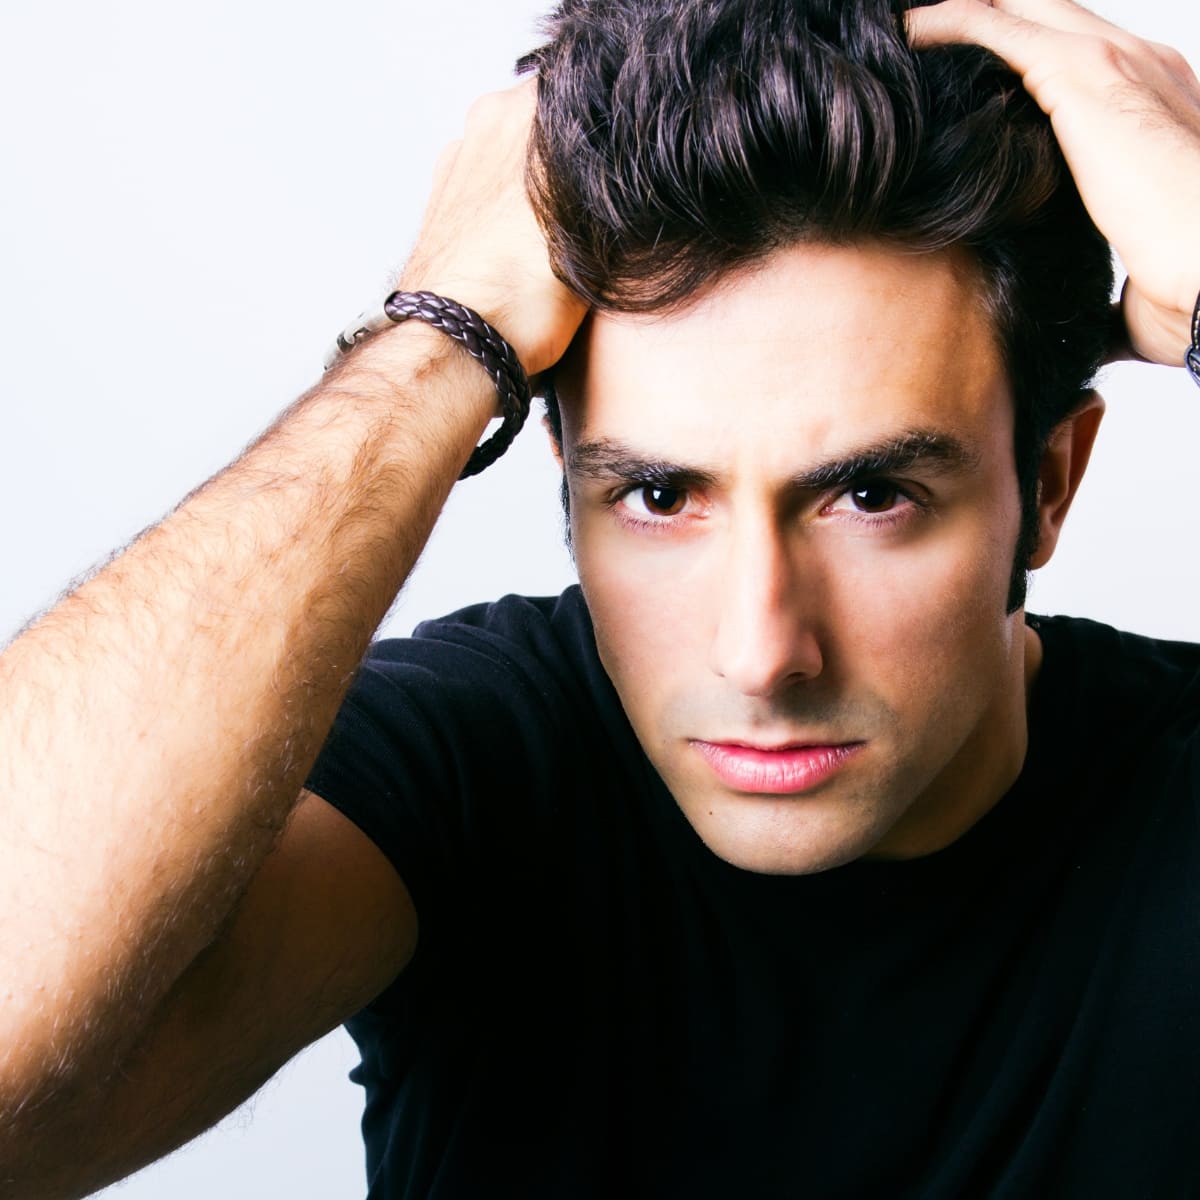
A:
(444, 753)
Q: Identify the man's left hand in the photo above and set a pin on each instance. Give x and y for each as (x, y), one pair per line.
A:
(1126, 113)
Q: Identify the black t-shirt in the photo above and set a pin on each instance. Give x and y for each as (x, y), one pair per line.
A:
(600, 1007)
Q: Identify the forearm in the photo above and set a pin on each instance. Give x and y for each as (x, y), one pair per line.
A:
(157, 725)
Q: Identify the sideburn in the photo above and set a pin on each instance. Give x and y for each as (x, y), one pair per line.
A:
(1027, 538)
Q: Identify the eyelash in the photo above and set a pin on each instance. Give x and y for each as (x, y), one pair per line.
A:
(914, 504)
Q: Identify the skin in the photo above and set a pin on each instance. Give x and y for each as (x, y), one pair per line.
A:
(736, 606)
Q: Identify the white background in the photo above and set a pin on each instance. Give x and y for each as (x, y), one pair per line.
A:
(194, 200)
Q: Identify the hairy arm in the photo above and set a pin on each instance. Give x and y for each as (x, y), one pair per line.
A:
(323, 927)
(156, 726)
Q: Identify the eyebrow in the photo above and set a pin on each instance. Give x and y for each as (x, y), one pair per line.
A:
(928, 449)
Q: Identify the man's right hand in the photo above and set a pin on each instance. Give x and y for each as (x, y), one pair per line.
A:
(157, 879)
(480, 243)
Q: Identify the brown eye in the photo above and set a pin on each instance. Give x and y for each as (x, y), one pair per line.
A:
(663, 502)
(876, 496)
(650, 500)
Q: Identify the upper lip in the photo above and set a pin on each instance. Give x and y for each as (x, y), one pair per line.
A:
(807, 743)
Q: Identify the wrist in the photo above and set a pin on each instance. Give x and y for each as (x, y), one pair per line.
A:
(389, 367)
(475, 335)
(1192, 359)
(1158, 334)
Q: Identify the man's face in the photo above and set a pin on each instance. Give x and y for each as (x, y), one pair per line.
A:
(794, 508)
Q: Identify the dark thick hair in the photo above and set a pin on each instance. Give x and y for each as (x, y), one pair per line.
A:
(676, 140)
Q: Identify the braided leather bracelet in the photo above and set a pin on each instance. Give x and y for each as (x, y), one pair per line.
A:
(480, 340)
(1192, 361)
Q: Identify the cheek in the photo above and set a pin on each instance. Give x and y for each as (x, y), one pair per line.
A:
(928, 624)
(636, 609)
(646, 599)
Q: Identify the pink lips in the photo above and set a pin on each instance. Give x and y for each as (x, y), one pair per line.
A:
(782, 771)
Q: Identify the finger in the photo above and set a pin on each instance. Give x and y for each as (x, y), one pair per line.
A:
(1055, 62)
(1067, 17)
(1041, 37)
(958, 22)
(1026, 46)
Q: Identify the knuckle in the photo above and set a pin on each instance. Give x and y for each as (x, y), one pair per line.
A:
(1136, 60)
(484, 111)
(958, 13)
(1173, 60)
(1107, 55)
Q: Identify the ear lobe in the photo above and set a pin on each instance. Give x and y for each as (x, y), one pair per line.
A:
(1061, 472)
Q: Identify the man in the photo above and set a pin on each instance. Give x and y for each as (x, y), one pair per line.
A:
(799, 521)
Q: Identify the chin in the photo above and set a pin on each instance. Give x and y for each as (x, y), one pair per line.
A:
(778, 836)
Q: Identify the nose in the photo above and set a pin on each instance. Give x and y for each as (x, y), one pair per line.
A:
(766, 634)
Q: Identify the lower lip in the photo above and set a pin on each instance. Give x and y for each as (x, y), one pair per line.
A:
(775, 772)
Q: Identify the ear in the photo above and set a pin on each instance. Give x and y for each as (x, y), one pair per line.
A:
(1061, 471)
(555, 448)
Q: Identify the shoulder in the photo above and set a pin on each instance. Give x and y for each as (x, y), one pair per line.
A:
(470, 750)
(510, 638)
(514, 686)
(1167, 669)
(1117, 687)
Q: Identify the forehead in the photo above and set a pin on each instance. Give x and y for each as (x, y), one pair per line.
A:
(817, 347)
